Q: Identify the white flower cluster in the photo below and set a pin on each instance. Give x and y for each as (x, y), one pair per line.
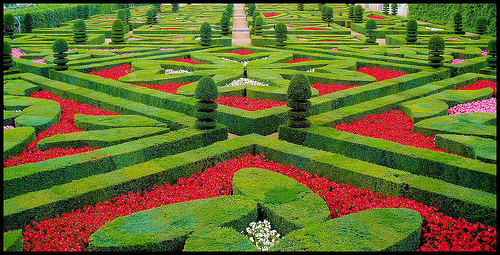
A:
(311, 70)
(261, 235)
(172, 71)
(243, 62)
(434, 28)
(245, 81)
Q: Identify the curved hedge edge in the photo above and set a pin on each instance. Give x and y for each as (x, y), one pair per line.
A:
(16, 140)
(217, 239)
(13, 240)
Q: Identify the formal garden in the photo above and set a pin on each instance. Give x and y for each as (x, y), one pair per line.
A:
(145, 127)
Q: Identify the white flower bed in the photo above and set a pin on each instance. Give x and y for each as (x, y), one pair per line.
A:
(245, 81)
(261, 235)
(244, 63)
(172, 71)
(434, 28)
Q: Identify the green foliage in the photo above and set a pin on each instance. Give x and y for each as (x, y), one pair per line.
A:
(13, 241)
(481, 25)
(27, 22)
(224, 24)
(8, 19)
(371, 25)
(7, 49)
(394, 10)
(436, 42)
(79, 25)
(157, 8)
(151, 17)
(230, 9)
(86, 11)
(385, 8)
(258, 25)
(206, 34)
(441, 14)
(60, 45)
(175, 7)
(79, 12)
(79, 29)
(323, 12)
(206, 91)
(411, 30)
(280, 31)
(118, 31)
(351, 12)
(358, 14)
(250, 9)
(328, 14)
(492, 53)
(298, 93)
(300, 6)
(436, 50)
(457, 23)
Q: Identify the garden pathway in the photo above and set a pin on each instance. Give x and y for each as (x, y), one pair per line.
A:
(241, 35)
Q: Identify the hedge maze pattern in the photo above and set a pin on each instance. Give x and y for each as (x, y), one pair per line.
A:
(136, 124)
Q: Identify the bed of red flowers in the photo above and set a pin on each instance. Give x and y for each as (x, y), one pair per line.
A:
(313, 28)
(331, 87)
(241, 52)
(248, 104)
(267, 15)
(186, 60)
(113, 73)
(393, 125)
(166, 87)
(71, 231)
(481, 84)
(381, 74)
(65, 126)
(375, 17)
(297, 60)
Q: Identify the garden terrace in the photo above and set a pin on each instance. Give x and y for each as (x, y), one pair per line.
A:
(117, 133)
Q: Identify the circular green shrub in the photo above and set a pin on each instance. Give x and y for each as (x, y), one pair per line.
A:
(117, 25)
(206, 34)
(79, 25)
(457, 23)
(299, 88)
(436, 42)
(121, 14)
(224, 24)
(9, 19)
(371, 24)
(27, 22)
(351, 12)
(481, 25)
(492, 53)
(358, 14)
(411, 30)
(258, 25)
(280, 32)
(206, 89)
(60, 45)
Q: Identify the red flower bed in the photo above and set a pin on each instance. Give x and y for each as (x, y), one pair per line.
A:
(381, 74)
(166, 87)
(328, 41)
(481, 84)
(71, 231)
(297, 60)
(65, 126)
(313, 28)
(186, 60)
(169, 28)
(267, 15)
(248, 104)
(241, 52)
(392, 126)
(330, 87)
(375, 17)
(113, 73)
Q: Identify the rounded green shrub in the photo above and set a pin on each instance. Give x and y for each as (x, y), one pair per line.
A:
(258, 25)
(27, 23)
(328, 14)
(298, 93)
(206, 34)
(436, 50)
(9, 24)
(79, 25)
(117, 31)
(206, 91)
(323, 12)
(224, 24)
(280, 31)
(371, 25)
(7, 57)
(457, 23)
(411, 30)
(123, 16)
(151, 17)
(250, 9)
(79, 30)
(59, 48)
(358, 14)
(300, 6)
(351, 12)
(481, 25)
(175, 7)
(492, 53)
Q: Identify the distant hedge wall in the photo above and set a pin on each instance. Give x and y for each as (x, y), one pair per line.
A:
(442, 14)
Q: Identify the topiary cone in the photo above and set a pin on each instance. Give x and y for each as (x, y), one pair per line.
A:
(298, 93)
(492, 53)
(7, 57)
(59, 48)
(436, 50)
(206, 91)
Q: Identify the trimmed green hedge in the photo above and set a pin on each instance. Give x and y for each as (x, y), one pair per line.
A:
(13, 240)
(217, 239)
(38, 113)
(469, 146)
(15, 140)
(89, 122)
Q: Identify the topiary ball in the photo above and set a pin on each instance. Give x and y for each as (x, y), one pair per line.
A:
(205, 28)
(7, 49)
(121, 14)
(481, 25)
(117, 25)
(436, 43)
(371, 24)
(412, 24)
(8, 19)
(299, 88)
(60, 45)
(206, 89)
(79, 25)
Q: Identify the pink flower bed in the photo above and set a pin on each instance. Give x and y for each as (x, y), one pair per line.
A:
(331, 88)
(488, 105)
(71, 231)
(39, 60)
(335, 49)
(248, 104)
(165, 48)
(16, 52)
(126, 53)
(313, 28)
(375, 17)
(457, 60)
(267, 15)
(102, 49)
(480, 84)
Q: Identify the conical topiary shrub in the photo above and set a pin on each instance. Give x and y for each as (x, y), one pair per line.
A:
(256, 13)
(7, 56)
(230, 9)
(86, 11)
(206, 35)
(60, 47)
(358, 14)
(280, 31)
(436, 50)
(481, 25)
(371, 25)
(492, 53)
(250, 9)
(457, 23)
(299, 91)
(385, 8)
(351, 12)
(123, 16)
(151, 17)
(224, 25)
(117, 32)
(300, 6)
(329, 15)
(157, 7)
(27, 23)
(411, 31)
(258, 25)
(394, 9)
(206, 92)
(79, 29)
(9, 25)
(128, 15)
(323, 12)
(175, 7)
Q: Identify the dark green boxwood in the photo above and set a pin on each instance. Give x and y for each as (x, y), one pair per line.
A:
(175, 7)
(151, 17)
(299, 91)
(492, 53)
(230, 9)
(457, 23)
(224, 24)
(394, 9)
(370, 26)
(481, 25)
(411, 31)
(8, 24)
(281, 34)
(27, 22)
(79, 30)
(350, 12)
(117, 32)
(328, 15)
(385, 8)
(358, 14)
(206, 34)
(206, 91)
(7, 57)
(436, 50)
(258, 25)
(59, 48)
